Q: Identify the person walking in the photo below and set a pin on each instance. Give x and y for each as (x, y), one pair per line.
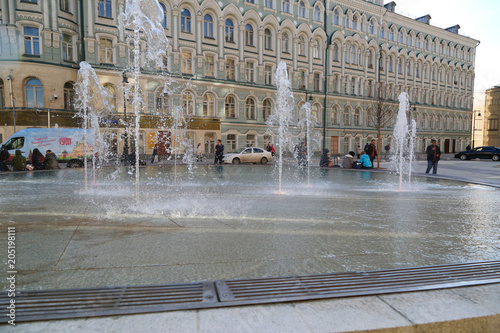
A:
(219, 152)
(433, 157)
(371, 150)
(155, 152)
(272, 150)
(199, 153)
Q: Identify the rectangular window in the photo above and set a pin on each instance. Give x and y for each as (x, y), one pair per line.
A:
(209, 66)
(186, 63)
(302, 80)
(316, 82)
(31, 41)
(105, 51)
(64, 5)
(268, 74)
(67, 47)
(249, 72)
(104, 8)
(30, 1)
(492, 124)
(268, 4)
(251, 141)
(230, 70)
(231, 142)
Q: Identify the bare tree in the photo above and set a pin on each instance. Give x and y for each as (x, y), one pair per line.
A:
(381, 114)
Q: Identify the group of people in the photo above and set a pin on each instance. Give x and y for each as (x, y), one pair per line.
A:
(20, 163)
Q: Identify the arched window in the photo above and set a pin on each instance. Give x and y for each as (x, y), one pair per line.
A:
(34, 93)
(286, 6)
(390, 67)
(317, 13)
(336, 17)
(164, 11)
(229, 32)
(69, 96)
(112, 93)
(316, 50)
(301, 46)
(249, 35)
(162, 102)
(302, 9)
(335, 55)
(208, 26)
(185, 20)
(315, 113)
(266, 108)
(250, 109)
(208, 105)
(355, 23)
(382, 32)
(357, 117)
(347, 116)
(370, 59)
(106, 50)
(230, 107)
(268, 39)
(334, 117)
(371, 28)
(188, 103)
(286, 43)
(391, 35)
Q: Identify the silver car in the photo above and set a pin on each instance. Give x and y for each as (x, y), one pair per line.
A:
(249, 155)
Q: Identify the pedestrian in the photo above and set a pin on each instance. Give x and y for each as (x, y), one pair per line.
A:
(155, 152)
(4, 156)
(371, 150)
(268, 148)
(387, 149)
(365, 161)
(348, 160)
(358, 151)
(325, 159)
(199, 152)
(19, 161)
(50, 161)
(302, 155)
(468, 147)
(219, 152)
(37, 159)
(272, 149)
(433, 157)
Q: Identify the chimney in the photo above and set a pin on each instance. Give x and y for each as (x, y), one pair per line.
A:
(391, 6)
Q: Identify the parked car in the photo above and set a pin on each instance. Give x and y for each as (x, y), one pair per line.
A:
(480, 152)
(249, 155)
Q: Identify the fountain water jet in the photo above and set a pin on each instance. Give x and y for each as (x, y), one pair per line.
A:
(282, 117)
(307, 123)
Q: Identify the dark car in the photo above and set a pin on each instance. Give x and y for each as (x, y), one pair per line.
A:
(480, 152)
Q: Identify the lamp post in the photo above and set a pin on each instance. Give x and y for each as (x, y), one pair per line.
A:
(125, 136)
(474, 127)
(309, 97)
(13, 100)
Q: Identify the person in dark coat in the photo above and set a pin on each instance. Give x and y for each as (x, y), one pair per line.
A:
(37, 159)
(325, 158)
(433, 157)
(19, 161)
(219, 152)
(371, 150)
(4, 156)
(468, 147)
(155, 152)
(50, 161)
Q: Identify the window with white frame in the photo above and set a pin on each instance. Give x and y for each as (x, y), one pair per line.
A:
(268, 74)
(301, 46)
(347, 116)
(302, 9)
(187, 101)
(69, 96)
(249, 72)
(105, 50)
(336, 17)
(251, 140)
(208, 26)
(317, 13)
(266, 108)
(302, 79)
(357, 117)
(335, 52)
(268, 39)
(355, 22)
(229, 31)
(164, 11)
(231, 142)
(371, 28)
(31, 41)
(250, 109)
(382, 32)
(64, 5)
(185, 20)
(67, 47)
(230, 69)
(208, 105)
(209, 65)
(334, 116)
(104, 8)
(286, 42)
(316, 82)
(162, 102)
(249, 35)
(34, 93)
(187, 63)
(285, 6)
(230, 107)
(268, 4)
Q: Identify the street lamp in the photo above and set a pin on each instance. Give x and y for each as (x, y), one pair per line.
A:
(125, 136)
(9, 78)
(310, 98)
(474, 127)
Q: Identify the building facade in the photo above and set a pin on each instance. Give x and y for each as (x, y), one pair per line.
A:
(222, 57)
(491, 135)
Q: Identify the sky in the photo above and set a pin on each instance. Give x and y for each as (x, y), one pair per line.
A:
(479, 20)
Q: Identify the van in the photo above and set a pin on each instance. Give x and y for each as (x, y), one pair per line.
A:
(66, 143)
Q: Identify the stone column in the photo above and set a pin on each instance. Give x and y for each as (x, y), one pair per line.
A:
(261, 45)
(5, 12)
(199, 32)
(175, 29)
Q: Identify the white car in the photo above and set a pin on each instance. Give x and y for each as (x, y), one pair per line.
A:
(249, 155)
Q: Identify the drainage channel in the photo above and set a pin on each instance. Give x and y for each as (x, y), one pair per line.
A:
(111, 301)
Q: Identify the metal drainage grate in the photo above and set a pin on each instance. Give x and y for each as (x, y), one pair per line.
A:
(80, 303)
